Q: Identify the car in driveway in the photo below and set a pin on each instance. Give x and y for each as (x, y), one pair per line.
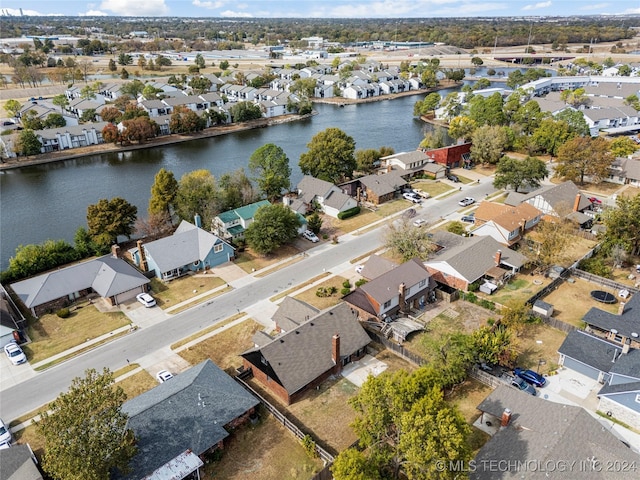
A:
(466, 201)
(530, 377)
(521, 385)
(468, 218)
(163, 376)
(14, 353)
(595, 200)
(418, 222)
(5, 433)
(422, 193)
(412, 197)
(453, 178)
(309, 235)
(146, 299)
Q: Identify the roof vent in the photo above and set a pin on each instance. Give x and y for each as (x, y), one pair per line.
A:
(330, 313)
(634, 334)
(311, 323)
(281, 341)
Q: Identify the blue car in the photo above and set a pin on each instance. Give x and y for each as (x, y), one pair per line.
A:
(531, 377)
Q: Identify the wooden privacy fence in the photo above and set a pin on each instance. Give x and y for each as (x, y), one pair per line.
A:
(606, 282)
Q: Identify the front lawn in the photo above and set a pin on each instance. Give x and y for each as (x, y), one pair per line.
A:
(168, 294)
(365, 217)
(251, 262)
(309, 296)
(538, 346)
(433, 187)
(51, 334)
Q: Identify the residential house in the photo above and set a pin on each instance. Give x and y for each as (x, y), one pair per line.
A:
(12, 322)
(453, 156)
(625, 171)
(192, 102)
(188, 249)
(63, 138)
(407, 162)
(155, 108)
(183, 418)
(325, 195)
(555, 440)
(504, 223)
(400, 290)
(231, 224)
(616, 366)
(461, 261)
(81, 106)
(621, 328)
(19, 463)
(301, 359)
(376, 266)
(292, 313)
(553, 200)
(376, 189)
(110, 277)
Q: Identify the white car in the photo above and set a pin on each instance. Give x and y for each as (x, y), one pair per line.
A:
(419, 222)
(412, 197)
(422, 193)
(5, 434)
(466, 201)
(163, 376)
(146, 299)
(14, 353)
(309, 235)
(359, 269)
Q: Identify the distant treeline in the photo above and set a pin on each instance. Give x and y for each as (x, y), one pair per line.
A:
(462, 32)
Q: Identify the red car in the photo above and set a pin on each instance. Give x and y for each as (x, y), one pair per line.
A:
(595, 200)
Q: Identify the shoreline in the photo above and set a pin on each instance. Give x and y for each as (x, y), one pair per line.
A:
(53, 157)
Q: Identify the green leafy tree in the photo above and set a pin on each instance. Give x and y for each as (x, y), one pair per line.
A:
(54, 120)
(462, 127)
(429, 79)
(451, 105)
(200, 85)
(551, 242)
(515, 173)
(150, 92)
(85, 430)
(12, 107)
(331, 156)
(60, 101)
(235, 190)
(224, 65)
(487, 111)
(427, 105)
(550, 135)
(622, 147)
(353, 464)
(304, 86)
(623, 225)
(125, 59)
(488, 144)
(163, 192)
(84, 244)
(314, 222)
(245, 111)
(477, 61)
(31, 120)
(197, 193)
(88, 115)
(200, 62)
(457, 228)
(109, 219)
(35, 258)
(436, 138)
(495, 345)
(575, 120)
(28, 143)
(407, 241)
(133, 88)
(272, 227)
(367, 160)
(270, 166)
(584, 156)
(529, 116)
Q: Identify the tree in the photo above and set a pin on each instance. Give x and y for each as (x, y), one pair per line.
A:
(353, 464)
(88, 115)
(109, 219)
(451, 105)
(622, 147)
(272, 227)
(54, 120)
(551, 134)
(125, 59)
(85, 430)
(488, 144)
(200, 85)
(623, 225)
(197, 193)
(487, 111)
(330, 156)
(112, 65)
(407, 241)
(60, 101)
(110, 114)
(367, 160)
(245, 111)
(12, 107)
(184, 120)
(477, 61)
(28, 143)
(551, 240)
(150, 92)
(235, 190)
(314, 222)
(575, 120)
(511, 172)
(31, 120)
(224, 65)
(163, 192)
(110, 133)
(199, 61)
(304, 86)
(584, 156)
(133, 88)
(138, 129)
(35, 258)
(462, 127)
(529, 116)
(270, 167)
(429, 104)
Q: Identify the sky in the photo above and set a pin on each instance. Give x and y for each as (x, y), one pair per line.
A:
(319, 8)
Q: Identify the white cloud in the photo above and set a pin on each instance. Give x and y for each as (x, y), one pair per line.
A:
(93, 13)
(128, 8)
(209, 5)
(537, 6)
(231, 13)
(15, 12)
(596, 6)
(470, 9)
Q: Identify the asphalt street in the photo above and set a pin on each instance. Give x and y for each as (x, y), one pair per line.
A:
(45, 386)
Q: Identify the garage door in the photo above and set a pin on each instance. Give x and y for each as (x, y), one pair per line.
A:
(129, 295)
(581, 368)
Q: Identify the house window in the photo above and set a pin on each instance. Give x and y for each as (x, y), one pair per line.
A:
(387, 304)
(217, 248)
(422, 283)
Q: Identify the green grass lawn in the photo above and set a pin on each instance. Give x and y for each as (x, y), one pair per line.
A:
(366, 217)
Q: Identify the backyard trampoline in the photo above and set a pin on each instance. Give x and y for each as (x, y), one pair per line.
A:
(602, 296)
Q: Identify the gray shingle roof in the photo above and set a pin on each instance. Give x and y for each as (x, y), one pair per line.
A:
(376, 266)
(336, 199)
(546, 433)
(620, 388)
(626, 324)
(17, 464)
(107, 275)
(304, 354)
(188, 411)
(385, 183)
(386, 286)
(590, 350)
(187, 245)
(560, 196)
(292, 312)
(310, 187)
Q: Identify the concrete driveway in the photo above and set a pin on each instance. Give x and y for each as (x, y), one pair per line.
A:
(142, 316)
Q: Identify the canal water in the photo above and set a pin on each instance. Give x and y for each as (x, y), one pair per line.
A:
(50, 201)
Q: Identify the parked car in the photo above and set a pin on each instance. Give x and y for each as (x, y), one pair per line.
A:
(146, 299)
(422, 193)
(520, 384)
(309, 235)
(466, 201)
(5, 433)
(453, 178)
(419, 222)
(163, 376)
(468, 219)
(412, 197)
(531, 377)
(359, 269)
(14, 353)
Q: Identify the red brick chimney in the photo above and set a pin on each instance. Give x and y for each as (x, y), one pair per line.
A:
(576, 203)
(335, 353)
(143, 259)
(506, 418)
(497, 257)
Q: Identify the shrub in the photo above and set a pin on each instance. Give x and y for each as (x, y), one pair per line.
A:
(473, 287)
(487, 304)
(471, 297)
(63, 313)
(309, 446)
(345, 291)
(360, 282)
(346, 284)
(595, 266)
(323, 292)
(349, 213)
